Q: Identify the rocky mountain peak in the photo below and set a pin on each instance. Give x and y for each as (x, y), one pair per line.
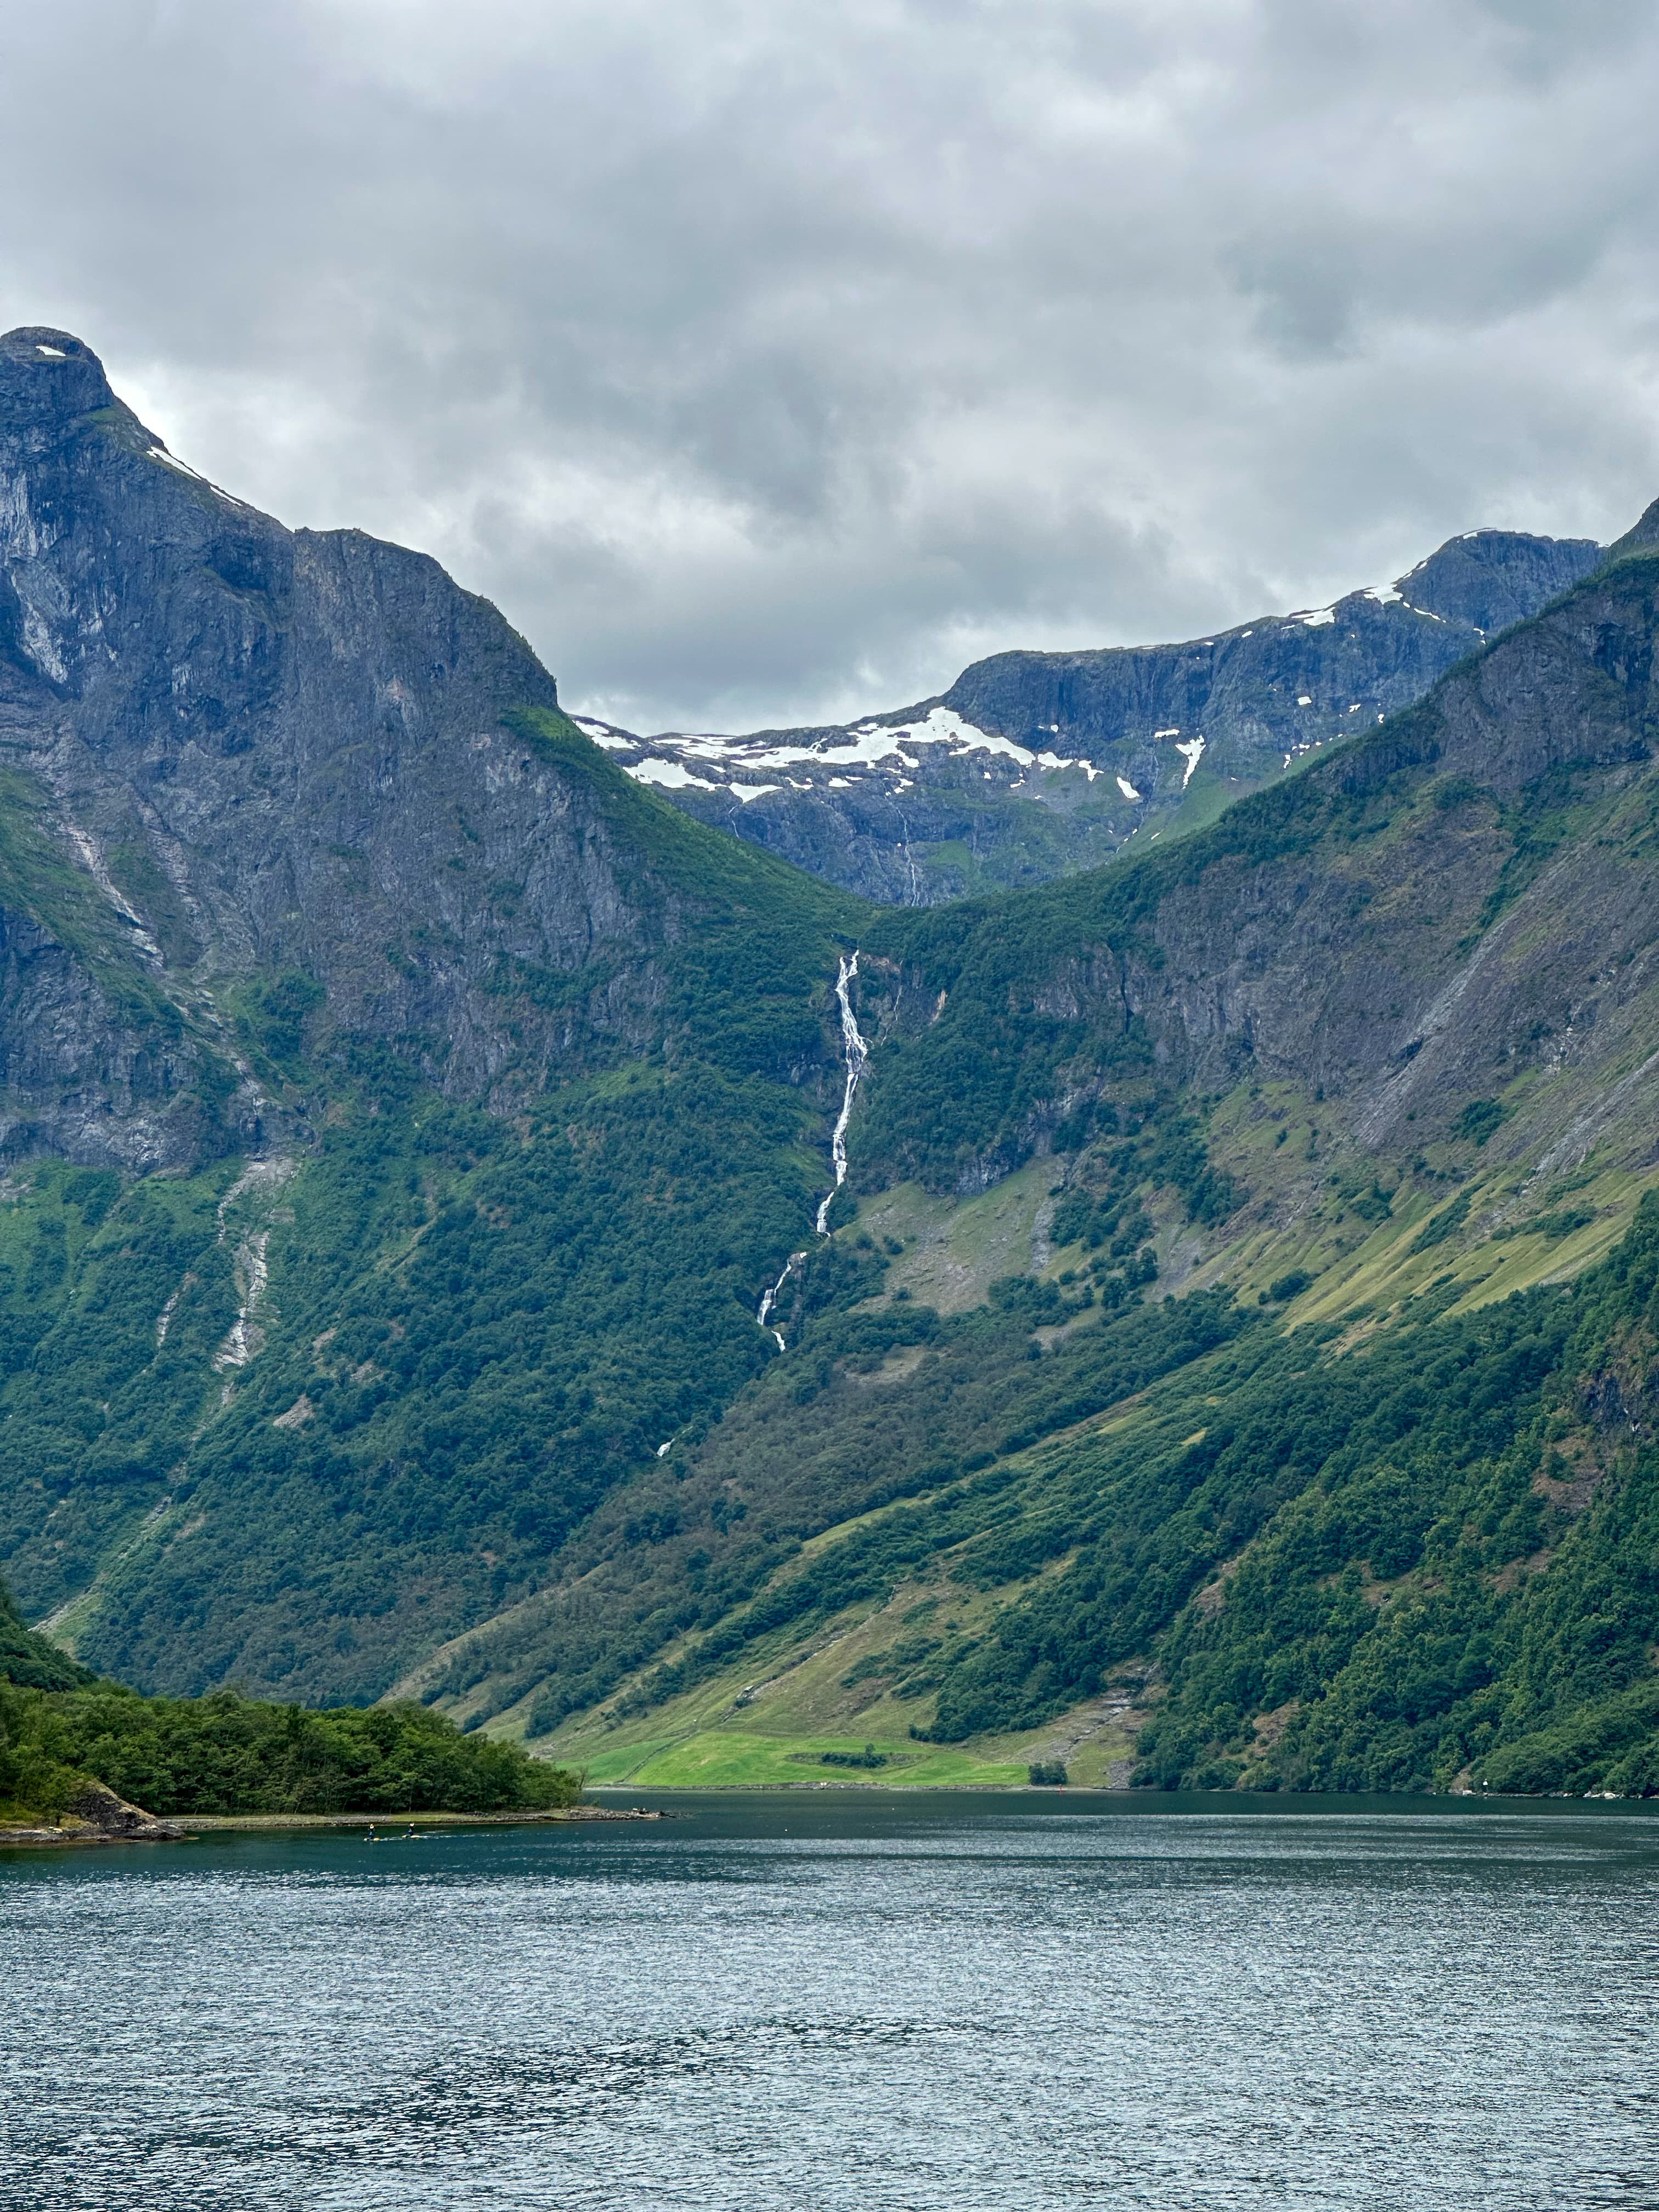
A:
(48, 375)
(1489, 578)
(244, 749)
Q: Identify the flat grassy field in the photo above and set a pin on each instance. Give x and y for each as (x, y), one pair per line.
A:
(734, 1759)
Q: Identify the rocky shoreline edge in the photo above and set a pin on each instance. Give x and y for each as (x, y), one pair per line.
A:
(101, 1817)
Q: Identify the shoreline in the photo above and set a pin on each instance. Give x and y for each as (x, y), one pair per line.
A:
(181, 1828)
(214, 1823)
(1141, 1800)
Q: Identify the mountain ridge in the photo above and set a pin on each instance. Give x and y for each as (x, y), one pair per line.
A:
(1035, 764)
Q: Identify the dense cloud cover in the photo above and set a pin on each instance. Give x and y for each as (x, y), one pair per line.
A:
(767, 362)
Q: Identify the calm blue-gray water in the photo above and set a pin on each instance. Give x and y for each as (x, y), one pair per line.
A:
(841, 2003)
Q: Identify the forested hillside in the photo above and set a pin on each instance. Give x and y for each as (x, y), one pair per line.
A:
(68, 1739)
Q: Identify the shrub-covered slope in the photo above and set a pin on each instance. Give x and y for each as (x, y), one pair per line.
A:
(1392, 1556)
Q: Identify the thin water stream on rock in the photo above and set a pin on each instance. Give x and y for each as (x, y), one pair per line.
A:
(854, 1053)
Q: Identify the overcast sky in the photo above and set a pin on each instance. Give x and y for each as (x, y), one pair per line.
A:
(768, 362)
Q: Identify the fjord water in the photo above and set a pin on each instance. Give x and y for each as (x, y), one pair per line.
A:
(829, 2001)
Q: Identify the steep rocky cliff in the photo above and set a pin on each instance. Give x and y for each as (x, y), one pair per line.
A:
(245, 757)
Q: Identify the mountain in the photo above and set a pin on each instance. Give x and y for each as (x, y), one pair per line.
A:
(1360, 1077)
(1034, 765)
(325, 930)
(1229, 1357)
(240, 752)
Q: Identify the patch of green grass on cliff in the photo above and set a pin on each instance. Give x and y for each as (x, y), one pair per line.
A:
(38, 879)
(140, 878)
(952, 1253)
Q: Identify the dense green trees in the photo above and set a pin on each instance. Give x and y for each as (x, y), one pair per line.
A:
(60, 1727)
(1413, 1585)
(30, 1661)
(225, 1754)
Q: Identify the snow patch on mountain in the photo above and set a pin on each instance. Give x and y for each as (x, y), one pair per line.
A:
(671, 775)
(603, 733)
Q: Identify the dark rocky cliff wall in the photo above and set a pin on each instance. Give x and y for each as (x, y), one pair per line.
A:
(244, 750)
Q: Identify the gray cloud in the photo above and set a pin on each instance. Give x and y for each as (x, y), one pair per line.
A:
(767, 362)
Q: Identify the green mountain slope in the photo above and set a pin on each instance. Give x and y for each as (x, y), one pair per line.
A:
(290, 1422)
(1316, 1066)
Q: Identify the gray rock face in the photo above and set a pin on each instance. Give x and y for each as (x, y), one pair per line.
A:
(1034, 764)
(230, 747)
(99, 1813)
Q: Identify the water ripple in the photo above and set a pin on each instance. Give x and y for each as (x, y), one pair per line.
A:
(852, 2008)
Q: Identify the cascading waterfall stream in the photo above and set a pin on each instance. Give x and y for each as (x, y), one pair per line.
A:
(854, 1053)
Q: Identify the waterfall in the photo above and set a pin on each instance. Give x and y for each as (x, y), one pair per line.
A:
(854, 1053)
(764, 1316)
